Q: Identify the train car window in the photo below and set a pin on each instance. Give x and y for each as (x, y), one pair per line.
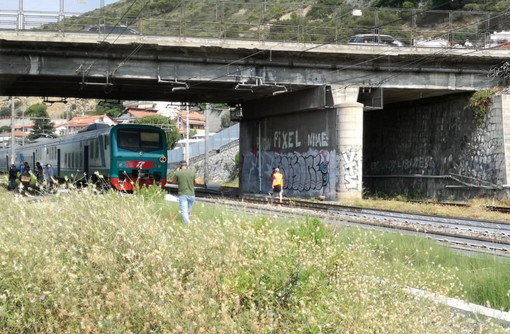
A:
(65, 159)
(135, 140)
(106, 139)
(96, 148)
(129, 139)
(150, 139)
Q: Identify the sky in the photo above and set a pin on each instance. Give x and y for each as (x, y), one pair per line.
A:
(70, 6)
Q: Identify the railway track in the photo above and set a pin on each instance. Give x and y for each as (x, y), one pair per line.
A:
(464, 234)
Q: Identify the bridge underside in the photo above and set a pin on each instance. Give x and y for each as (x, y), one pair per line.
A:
(152, 90)
(304, 112)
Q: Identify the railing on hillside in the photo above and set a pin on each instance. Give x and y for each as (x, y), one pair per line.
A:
(214, 142)
(274, 21)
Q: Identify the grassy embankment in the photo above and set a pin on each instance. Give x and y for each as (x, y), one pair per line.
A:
(110, 263)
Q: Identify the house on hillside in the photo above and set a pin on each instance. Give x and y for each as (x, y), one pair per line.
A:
(167, 109)
(196, 122)
(130, 114)
(25, 129)
(5, 138)
(77, 123)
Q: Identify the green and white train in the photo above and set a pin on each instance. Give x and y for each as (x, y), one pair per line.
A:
(127, 155)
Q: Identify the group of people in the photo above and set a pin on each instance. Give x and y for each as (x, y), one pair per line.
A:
(186, 180)
(24, 178)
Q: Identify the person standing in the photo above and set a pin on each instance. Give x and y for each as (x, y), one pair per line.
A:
(39, 173)
(25, 179)
(48, 175)
(186, 180)
(277, 178)
(13, 177)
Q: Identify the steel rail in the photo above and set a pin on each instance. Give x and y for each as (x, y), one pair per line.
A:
(464, 234)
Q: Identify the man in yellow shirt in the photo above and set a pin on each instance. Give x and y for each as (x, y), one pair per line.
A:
(277, 178)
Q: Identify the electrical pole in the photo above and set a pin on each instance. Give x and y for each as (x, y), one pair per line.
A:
(206, 139)
(23, 128)
(187, 133)
(13, 141)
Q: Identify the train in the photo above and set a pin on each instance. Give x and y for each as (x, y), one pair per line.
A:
(126, 155)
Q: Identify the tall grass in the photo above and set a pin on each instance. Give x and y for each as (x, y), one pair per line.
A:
(480, 279)
(82, 263)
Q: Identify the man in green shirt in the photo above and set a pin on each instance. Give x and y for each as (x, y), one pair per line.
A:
(186, 180)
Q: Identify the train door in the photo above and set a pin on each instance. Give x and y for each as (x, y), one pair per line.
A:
(86, 161)
(58, 162)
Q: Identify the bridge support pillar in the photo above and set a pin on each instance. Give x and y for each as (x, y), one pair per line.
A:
(349, 144)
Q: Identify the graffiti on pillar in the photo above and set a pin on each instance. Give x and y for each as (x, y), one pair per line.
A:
(351, 161)
(304, 171)
(309, 172)
(284, 140)
(319, 139)
(417, 165)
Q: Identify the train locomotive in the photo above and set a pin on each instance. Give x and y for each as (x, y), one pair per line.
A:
(127, 155)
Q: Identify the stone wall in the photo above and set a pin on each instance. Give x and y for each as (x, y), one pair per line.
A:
(434, 149)
(221, 165)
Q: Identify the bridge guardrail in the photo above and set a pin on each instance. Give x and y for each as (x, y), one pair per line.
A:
(277, 22)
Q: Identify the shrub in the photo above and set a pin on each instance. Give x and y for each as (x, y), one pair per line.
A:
(481, 102)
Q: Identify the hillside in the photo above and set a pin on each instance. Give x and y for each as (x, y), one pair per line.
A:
(322, 21)
(55, 110)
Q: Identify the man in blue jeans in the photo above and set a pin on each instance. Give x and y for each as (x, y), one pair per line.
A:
(186, 180)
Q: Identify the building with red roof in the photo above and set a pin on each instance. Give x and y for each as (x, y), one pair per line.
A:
(77, 123)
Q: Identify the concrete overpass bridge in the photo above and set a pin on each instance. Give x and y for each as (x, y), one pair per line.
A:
(302, 104)
(36, 63)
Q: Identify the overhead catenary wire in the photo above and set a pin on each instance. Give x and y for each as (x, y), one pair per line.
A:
(84, 68)
(384, 54)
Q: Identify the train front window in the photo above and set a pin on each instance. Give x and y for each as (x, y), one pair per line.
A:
(139, 140)
(150, 139)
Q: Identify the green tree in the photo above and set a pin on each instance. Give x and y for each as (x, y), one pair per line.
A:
(112, 108)
(172, 133)
(5, 111)
(226, 121)
(43, 127)
(448, 5)
(5, 128)
(36, 110)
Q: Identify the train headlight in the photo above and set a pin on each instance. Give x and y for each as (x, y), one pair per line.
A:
(162, 159)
